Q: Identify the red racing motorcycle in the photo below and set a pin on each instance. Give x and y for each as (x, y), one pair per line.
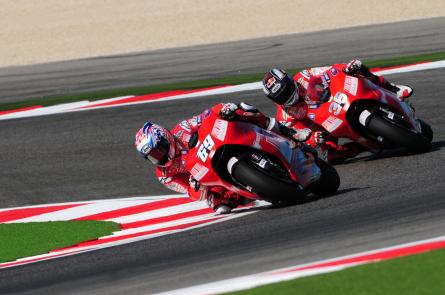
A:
(256, 163)
(368, 114)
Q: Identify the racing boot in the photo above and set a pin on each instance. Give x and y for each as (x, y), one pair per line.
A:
(223, 209)
(227, 208)
(403, 92)
(225, 203)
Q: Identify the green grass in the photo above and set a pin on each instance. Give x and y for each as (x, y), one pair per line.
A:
(239, 79)
(417, 274)
(27, 239)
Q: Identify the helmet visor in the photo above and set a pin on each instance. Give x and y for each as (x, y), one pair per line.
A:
(159, 155)
(287, 92)
(292, 100)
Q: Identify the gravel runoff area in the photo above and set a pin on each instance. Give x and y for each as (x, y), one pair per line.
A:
(42, 31)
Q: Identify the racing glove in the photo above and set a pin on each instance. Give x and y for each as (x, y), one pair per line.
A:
(299, 135)
(356, 67)
(353, 67)
(320, 137)
(228, 111)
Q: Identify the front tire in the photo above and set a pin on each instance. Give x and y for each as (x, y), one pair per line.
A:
(397, 135)
(269, 187)
(427, 131)
(329, 181)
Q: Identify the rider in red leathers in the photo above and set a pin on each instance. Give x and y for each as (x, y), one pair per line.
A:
(166, 149)
(307, 90)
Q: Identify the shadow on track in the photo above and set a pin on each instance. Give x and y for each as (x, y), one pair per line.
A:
(310, 199)
(393, 153)
(436, 146)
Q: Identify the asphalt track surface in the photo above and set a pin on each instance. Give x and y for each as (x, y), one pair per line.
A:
(220, 60)
(89, 155)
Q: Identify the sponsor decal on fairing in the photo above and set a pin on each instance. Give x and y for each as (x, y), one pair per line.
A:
(331, 123)
(220, 129)
(199, 171)
(351, 85)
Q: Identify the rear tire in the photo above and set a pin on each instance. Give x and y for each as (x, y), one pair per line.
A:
(269, 187)
(329, 181)
(398, 136)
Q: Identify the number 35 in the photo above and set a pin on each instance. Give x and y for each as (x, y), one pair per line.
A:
(338, 102)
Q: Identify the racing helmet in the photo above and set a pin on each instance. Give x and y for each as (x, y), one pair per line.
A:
(280, 88)
(155, 143)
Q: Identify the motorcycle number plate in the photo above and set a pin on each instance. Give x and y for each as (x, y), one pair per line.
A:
(339, 101)
(205, 148)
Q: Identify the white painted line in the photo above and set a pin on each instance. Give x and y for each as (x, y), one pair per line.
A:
(66, 108)
(129, 199)
(219, 91)
(78, 250)
(52, 110)
(81, 211)
(163, 225)
(101, 206)
(414, 68)
(160, 212)
(108, 100)
(293, 272)
(258, 85)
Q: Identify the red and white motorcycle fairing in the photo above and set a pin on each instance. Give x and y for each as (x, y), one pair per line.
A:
(222, 142)
(353, 101)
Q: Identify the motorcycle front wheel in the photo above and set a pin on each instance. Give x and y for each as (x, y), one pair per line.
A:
(398, 136)
(329, 181)
(267, 185)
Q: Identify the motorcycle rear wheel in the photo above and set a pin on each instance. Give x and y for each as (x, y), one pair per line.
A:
(397, 135)
(269, 187)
